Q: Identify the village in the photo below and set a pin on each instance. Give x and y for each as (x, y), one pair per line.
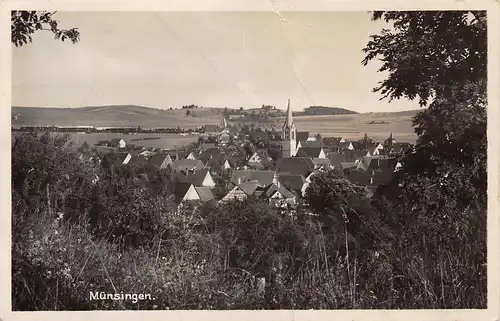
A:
(226, 164)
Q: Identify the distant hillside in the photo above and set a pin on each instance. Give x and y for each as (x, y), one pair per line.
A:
(322, 110)
(114, 116)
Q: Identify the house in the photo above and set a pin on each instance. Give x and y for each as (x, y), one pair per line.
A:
(85, 148)
(364, 163)
(322, 164)
(137, 160)
(146, 153)
(295, 165)
(353, 156)
(207, 146)
(249, 187)
(260, 158)
(375, 151)
(160, 161)
(188, 193)
(204, 193)
(349, 165)
(264, 178)
(185, 155)
(312, 152)
(173, 153)
(212, 130)
(331, 143)
(335, 160)
(211, 154)
(235, 194)
(224, 139)
(312, 143)
(279, 196)
(200, 178)
(344, 145)
(400, 148)
(117, 143)
(219, 165)
(102, 143)
(389, 141)
(294, 183)
(122, 158)
(187, 165)
(382, 165)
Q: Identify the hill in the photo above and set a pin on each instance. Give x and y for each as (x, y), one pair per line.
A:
(115, 115)
(322, 110)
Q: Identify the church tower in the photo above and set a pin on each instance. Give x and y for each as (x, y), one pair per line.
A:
(289, 135)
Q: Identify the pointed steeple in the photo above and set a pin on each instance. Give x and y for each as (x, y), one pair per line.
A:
(289, 118)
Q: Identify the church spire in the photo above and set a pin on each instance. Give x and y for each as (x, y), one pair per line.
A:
(289, 119)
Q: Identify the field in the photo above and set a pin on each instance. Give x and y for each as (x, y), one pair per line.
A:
(165, 141)
(355, 126)
(114, 116)
(377, 125)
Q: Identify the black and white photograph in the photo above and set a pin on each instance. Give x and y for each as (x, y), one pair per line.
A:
(249, 160)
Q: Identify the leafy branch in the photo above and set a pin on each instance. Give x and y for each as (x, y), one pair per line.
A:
(25, 23)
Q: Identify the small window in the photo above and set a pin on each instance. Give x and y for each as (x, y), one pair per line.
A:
(292, 134)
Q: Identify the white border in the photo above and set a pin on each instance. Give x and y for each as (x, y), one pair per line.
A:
(492, 313)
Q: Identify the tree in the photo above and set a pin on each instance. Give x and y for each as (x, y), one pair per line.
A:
(438, 201)
(450, 78)
(25, 23)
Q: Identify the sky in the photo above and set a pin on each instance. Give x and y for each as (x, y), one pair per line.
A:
(210, 59)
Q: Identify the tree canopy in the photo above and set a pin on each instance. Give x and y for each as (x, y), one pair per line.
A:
(25, 23)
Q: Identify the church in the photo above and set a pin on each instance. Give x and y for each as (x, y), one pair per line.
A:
(289, 135)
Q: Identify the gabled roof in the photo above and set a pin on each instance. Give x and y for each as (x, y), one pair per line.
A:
(180, 190)
(292, 182)
(321, 161)
(211, 154)
(157, 159)
(312, 152)
(312, 143)
(271, 189)
(331, 141)
(335, 159)
(205, 193)
(353, 155)
(382, 164)
(302, 136)
(263, 177)
(138, 160)
(249, 187)
(115, 140)
(197, 177)
(185, 164)
(365, 163)
(120, 157)
(207, 146)
(85, 147)
(347, 165)
(295, 165)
